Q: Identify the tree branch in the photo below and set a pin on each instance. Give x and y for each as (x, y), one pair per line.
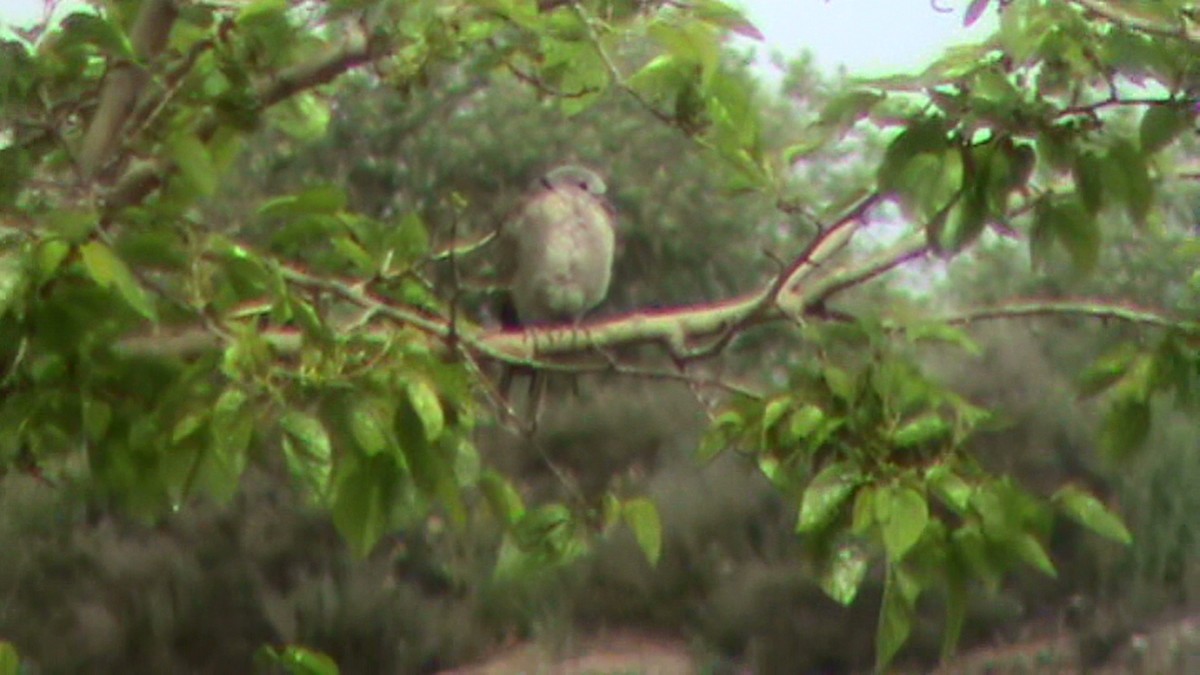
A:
(123, 85)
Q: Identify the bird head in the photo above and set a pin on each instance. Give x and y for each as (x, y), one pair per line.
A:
(574, 176)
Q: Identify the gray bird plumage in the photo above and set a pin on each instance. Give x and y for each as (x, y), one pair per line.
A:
(560, 244)
(557, 253)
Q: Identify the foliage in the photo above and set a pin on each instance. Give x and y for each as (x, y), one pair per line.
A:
(173, 332)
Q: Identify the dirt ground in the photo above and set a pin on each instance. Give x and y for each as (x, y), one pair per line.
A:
(1171, 647)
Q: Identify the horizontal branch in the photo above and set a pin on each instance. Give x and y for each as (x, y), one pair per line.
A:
(1088, 308)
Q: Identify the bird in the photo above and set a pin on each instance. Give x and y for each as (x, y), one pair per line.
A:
(557, 252)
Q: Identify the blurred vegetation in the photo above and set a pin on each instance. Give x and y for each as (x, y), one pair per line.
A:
(174, 514)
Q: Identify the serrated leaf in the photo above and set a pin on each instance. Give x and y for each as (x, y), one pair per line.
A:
(902, 514)
(825, 495)
(109, 271)
(1162, 124)
(642, 517)
(1090, 512)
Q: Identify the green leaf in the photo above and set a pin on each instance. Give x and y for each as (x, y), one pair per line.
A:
(840, 383)
(1126, 426)
(363, 500)
(369, 426)
(956, 615)
(187, 425)
(49, 258)
(847, 108)
(90, 28)
(1029, 549)
(1128, 179)
(296, 660)
(10, 661)
(719, 436)
(925, 429)
(1162, 124)
(895, 616)
(902, 514)
(1064, 219)
(231, 431)
(14, 272)
(863, 516)
(825, 495)
(642, 517)
(73, 225)
(963, 225)
(1107, 370)
(844, 573)
(195, 163)
(304, 117)
(949, 487)
(97, 416)
(502, 497)
(425, 404)
(689, 41)
(308, 451)
(319, 200)
(942, 332)
(109, 271)
(1088, 171)
(927, 135)
(804, 422)
(1091, 513)
(723, 16)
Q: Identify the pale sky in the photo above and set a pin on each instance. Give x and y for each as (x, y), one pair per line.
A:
(868, 37)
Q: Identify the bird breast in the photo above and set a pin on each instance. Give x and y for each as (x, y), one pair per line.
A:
(564, 256)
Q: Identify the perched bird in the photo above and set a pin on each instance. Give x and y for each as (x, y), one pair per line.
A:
(557, 250)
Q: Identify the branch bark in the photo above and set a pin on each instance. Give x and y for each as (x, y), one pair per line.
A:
(123, 85)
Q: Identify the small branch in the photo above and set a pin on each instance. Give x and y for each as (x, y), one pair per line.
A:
(1110, 12)
(1093, 309)
(143, 177)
